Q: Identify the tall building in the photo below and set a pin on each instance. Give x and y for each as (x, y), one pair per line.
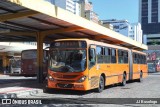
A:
(120, 26)
(83, 8)
(149, 17)
(91, 15)
(87, 12)
(137, 32)
(123, 27)
(69, 5)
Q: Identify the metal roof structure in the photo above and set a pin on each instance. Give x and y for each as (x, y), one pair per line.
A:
(21, 20)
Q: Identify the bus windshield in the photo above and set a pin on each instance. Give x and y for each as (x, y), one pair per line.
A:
(16, 63)
(29, 54)
(67, 60)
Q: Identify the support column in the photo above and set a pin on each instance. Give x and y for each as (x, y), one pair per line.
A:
(5, 61)
(40, 76)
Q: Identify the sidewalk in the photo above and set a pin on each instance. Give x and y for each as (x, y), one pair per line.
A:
(15, 92)
(16, 88)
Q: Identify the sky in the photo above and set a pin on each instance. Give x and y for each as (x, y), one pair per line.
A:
(117, 9)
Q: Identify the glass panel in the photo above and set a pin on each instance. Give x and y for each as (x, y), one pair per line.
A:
(29, 54)
(67, 60)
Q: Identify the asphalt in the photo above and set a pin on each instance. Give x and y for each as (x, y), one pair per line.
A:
(14, 88)
(11, 87)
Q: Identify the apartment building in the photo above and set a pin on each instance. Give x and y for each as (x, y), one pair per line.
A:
(123, 27)
(149, 17)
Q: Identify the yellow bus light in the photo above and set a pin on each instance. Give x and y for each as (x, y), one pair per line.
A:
(82, 79)
(50, 78)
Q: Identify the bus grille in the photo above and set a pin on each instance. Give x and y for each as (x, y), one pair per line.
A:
(65, 85)
(65, 76)
(65, 80)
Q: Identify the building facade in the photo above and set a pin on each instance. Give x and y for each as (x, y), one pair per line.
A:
(83, 8)
(123, 27)
(87, 12)
(120, 26)
(136, 32)
(91, 15)
(149, 17)
(69, 5)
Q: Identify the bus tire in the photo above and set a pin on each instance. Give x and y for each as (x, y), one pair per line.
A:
(124, 80)
(141, 77)
(46, 90)
(101, 84)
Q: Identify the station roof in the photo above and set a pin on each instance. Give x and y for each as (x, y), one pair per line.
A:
(21, 20)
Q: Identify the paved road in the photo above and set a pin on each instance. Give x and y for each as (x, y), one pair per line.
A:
(149, 88)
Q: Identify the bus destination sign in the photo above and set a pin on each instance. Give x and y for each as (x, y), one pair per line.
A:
(69, 44)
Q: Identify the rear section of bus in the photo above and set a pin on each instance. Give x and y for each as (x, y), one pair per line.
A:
(29, 62)
(138, 65)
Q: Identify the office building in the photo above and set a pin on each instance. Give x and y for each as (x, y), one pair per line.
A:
(87, 12)
(149, 17)
(83, 8)
(123, 27)
(120, 26)
(69, 5)
(136, 32)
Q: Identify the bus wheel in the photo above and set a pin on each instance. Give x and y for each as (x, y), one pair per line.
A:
(101, 84)
(141, 77)
(124, 80)
(46, 90)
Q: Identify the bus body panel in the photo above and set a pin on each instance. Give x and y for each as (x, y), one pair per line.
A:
(29, 63)
(29, 67)
(113, 71)
(68, 79)
(137, 68)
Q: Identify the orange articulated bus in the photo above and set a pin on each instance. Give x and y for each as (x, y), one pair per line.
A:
(83, 64)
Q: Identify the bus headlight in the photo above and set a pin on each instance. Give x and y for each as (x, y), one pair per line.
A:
(83, 78)
(50, 78)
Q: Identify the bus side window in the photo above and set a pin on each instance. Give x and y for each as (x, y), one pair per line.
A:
(113, 56)
(141, 59)
(120, 56)
(138, 59)
(99, 53)
(92, 57)
(126, 57)
(135, 58)
(107, 55)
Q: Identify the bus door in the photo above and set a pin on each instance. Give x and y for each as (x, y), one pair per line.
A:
(92, 72)
(130, 64)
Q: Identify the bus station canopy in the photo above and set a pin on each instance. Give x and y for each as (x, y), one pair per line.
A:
(21, 20)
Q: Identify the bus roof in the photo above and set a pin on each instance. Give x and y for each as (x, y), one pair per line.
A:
(100, 44)
(94, 42)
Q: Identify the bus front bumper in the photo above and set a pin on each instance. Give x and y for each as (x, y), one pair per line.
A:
(71, 86)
